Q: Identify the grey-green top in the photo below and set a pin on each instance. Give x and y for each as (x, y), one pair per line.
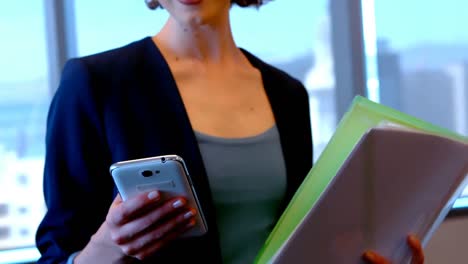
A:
(247, 177)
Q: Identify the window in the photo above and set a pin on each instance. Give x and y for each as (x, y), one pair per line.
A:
(422, 61)
(24, 100)
(298, 43)
(125, 21)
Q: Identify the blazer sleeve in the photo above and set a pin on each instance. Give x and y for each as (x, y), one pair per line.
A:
(77, 187)
(303, 144)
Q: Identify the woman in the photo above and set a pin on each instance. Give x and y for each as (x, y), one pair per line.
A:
(190, 91)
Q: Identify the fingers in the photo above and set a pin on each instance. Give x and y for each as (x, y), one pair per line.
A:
(374, 258)
(416, 249)
(123, 212)
(131, 230)
(152, 240)
(143, 224)
(154, 247)
(415, 246)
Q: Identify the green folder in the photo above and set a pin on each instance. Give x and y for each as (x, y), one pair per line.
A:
(362, 115)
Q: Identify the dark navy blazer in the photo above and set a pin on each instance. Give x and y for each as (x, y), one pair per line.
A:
(124, 104)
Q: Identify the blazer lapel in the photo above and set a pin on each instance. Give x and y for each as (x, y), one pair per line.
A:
(283, 117)
(184, 142)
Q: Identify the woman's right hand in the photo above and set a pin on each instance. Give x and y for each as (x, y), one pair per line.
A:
(142, 225)
(414, 244)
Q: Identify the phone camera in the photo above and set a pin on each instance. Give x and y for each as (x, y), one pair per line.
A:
(147, 173)
(163, 160)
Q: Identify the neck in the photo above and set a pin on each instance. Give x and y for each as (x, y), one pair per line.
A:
(207, 43)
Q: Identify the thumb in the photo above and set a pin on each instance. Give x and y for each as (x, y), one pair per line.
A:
(117, 201)
(416, 249)
(373, 258)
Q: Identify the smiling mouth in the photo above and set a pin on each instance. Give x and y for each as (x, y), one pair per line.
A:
(190, 2)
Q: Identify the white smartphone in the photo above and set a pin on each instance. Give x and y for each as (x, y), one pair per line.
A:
(168, 174)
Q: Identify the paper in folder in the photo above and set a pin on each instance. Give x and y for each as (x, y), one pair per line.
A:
(383, 175)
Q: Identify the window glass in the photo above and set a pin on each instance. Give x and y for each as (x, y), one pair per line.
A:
(24, 101)
(422, 61)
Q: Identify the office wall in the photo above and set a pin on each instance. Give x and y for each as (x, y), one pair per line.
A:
(449, 243)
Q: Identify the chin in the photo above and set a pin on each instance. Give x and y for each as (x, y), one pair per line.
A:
(199, 19)
(205, 13)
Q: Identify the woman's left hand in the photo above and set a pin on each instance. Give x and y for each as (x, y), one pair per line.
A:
(418, 254)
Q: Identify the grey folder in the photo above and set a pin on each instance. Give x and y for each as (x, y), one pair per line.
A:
(395, 182)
